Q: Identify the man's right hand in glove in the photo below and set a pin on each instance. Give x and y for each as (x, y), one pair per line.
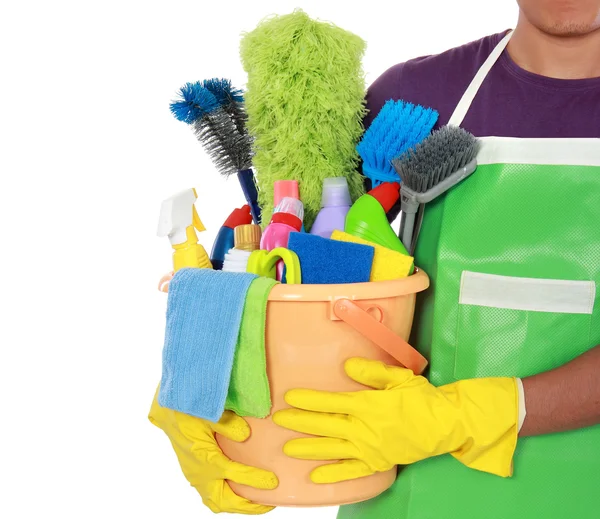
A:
(204, 464)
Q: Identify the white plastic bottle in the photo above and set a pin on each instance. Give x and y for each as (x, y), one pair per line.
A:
(247, 240)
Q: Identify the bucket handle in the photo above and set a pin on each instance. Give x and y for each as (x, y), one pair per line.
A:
(377, 332)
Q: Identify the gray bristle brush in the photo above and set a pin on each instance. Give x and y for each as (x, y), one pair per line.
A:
(229, 150)
(429, 169)
(215, 111)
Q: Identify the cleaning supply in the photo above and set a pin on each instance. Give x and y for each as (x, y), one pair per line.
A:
(247, 237)
(249, 393)
(387, 264)
(387, 194)
(178, 218)
(216, 112)
(283, 189)
(204, 313)
(311, 331)
(214, 127)
(367, 220)
(286, 219)
(232, 101)
(440, 162)
(305, 102)
(335, 205)
(247, 181)
(203, 463)
(325, 261)
(225, 237)
(474, 420)
(265, 264)
(397, 127)
(236, 260)
(246, 240)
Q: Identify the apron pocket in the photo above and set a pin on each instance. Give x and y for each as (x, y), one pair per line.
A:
(513, 326)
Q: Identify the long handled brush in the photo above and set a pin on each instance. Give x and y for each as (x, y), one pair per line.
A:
(216, 112)
(440, 162)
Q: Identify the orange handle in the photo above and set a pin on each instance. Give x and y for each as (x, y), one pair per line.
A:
(381, 335)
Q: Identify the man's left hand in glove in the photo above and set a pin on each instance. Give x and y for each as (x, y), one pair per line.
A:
(403, 419)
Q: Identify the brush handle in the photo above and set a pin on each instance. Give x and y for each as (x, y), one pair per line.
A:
(418, 223)
(246, 178)
(407, 222)
(407, 232)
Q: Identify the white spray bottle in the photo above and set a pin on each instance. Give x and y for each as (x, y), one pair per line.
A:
(179, 221)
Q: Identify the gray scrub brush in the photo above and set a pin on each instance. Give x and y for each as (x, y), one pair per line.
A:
(429, 169)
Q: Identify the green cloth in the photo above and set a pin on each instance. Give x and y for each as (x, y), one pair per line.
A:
(249, 393)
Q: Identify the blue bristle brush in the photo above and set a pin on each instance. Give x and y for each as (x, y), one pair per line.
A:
(216, 111)
(397, 127)
(195, 102)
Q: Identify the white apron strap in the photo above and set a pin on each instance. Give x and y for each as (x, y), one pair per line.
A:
(465, 103)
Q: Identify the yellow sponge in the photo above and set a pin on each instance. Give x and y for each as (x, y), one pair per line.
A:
(387, 264)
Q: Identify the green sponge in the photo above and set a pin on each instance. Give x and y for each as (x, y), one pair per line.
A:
(305, 105)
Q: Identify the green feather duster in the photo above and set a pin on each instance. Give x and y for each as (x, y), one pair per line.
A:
(305, 105)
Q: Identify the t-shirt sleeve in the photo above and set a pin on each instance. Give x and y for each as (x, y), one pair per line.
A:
(387, 86)
(436, 82)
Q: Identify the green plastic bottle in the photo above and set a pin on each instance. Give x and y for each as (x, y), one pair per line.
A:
(367, 220)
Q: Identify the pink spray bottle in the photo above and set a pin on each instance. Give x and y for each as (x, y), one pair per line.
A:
(287, 218)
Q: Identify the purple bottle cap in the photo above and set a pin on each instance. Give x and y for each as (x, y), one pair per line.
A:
(336, 192)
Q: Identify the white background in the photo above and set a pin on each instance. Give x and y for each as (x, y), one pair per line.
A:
(88, 150)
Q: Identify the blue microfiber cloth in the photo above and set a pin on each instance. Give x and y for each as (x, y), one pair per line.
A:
(204, 313)
(324, 261)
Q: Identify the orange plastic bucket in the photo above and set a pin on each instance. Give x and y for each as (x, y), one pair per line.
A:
(311, 331)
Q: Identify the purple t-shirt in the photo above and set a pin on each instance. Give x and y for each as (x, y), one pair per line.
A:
(511, 102)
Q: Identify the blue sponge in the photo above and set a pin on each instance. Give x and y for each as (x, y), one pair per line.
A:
(325, 262)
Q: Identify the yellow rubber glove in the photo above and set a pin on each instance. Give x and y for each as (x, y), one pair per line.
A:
(204, 464)
(403, 420)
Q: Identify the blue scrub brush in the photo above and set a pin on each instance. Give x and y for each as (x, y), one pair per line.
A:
(428, 170)
(216, 112)
(398, 126)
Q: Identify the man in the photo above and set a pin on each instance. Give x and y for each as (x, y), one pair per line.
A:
(505, 426)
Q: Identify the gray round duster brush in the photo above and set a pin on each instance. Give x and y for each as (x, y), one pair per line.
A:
(429, 169)
(229, 150)
(216, 112)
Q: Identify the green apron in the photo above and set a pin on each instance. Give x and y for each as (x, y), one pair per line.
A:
(513, 254)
